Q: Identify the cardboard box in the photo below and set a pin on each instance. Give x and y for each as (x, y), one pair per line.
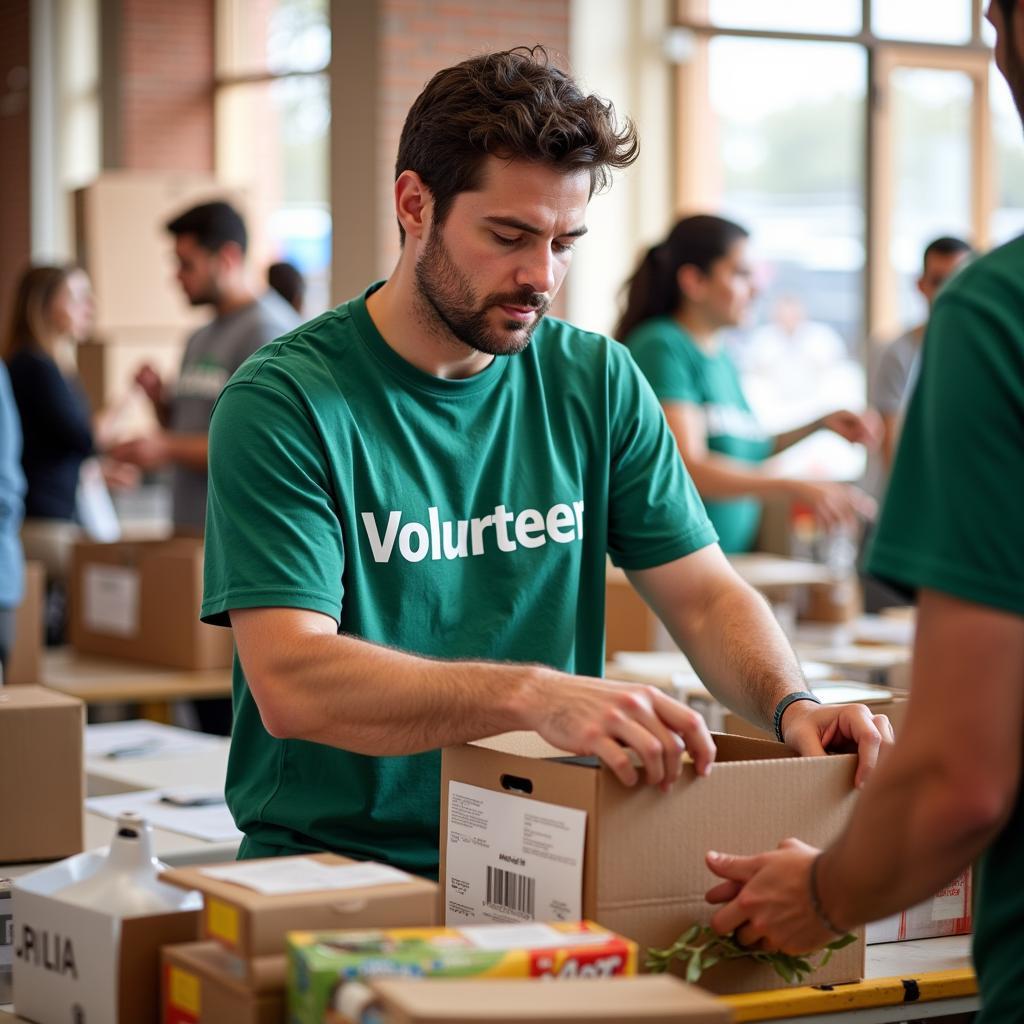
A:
(75, 963)
(321, 963)
(648, 999)
(836, 601)
(42, 784)
(25, 663)
(140, 600)
(879, 700)
(253, 925)
(198, 986)
(948, 912)
(504, 819)
(629, 624)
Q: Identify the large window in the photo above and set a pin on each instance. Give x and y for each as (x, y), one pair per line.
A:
(845, 136)
(273, 119)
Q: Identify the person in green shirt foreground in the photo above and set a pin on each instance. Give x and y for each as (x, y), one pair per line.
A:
(413, 496)
(952, 529)
(684, 292)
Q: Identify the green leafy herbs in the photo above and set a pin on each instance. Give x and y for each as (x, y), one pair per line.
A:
(699, 948)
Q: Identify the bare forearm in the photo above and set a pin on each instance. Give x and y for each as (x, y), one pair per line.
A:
(189, 450)
(914, 829)
(741, 653)
(719, 477)
(791, 437)
(352, 694)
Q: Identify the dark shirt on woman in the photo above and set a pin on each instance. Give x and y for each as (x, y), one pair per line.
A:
(57, 433)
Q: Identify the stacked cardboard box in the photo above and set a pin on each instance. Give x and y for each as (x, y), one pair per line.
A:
(242, 976)
(42, 785)
(140, 600)
(948, 912)
(532, 832)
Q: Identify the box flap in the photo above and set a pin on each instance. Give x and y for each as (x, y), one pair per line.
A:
(648, 998)
(211, 960)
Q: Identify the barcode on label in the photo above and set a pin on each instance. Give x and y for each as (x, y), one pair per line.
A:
(511, 891)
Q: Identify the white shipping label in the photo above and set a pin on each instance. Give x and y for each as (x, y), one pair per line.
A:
(111, 600)
(951, 903)
(511, 859)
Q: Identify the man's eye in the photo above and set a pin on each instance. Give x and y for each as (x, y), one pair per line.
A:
(504, 239)
(563, 246)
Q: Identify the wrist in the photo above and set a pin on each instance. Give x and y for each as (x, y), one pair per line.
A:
(822, 894)
(791, 708)
(520, 696)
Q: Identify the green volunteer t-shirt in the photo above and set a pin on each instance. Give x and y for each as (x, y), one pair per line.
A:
(953, 521)
(679, 371)
(450, 518)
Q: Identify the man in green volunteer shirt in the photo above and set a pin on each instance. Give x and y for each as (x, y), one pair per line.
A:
(953, 530)
(413, 496)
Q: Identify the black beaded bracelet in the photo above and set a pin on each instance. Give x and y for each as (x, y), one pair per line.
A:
(819, 910)
(790, 698)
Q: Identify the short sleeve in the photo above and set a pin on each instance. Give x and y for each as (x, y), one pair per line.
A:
(662, 360)
(654, 512)
(890, 383)
(273, 537)
(952, 519)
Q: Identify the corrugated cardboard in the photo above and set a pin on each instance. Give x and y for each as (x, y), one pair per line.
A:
(948, 912)
(77, 963)
(140, 600)
(644, 873)
(652, 1000)
(42, 785)
(25, 662)
(198, 986)
(629, 624)
(251, 924)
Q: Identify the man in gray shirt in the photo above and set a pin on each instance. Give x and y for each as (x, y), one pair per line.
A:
(209, 243)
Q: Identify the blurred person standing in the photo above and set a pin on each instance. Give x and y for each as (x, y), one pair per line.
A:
(12, 495)
(52, 313)
(210, 243)
(687, 289)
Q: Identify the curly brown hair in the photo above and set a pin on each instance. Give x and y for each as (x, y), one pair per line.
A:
(514, 104)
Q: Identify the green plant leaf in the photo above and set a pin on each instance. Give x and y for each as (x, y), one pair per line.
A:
(693, 970)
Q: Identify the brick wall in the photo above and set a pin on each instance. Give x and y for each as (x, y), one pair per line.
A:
(165, 84)
(15, 228)
(422, 36)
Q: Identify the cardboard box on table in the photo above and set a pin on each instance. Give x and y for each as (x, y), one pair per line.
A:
(42, 785)
(646, 999)
(948, 912)
(79, 964)
(199, 985)
(252, 925)
(629, 624)
(643, 871)
(140, 600)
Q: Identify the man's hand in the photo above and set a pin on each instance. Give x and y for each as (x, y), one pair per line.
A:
(149, 452)
(151, 383)
(608, 719)
(857, 428)
(833, 503)
(767, 899)
(815, 729)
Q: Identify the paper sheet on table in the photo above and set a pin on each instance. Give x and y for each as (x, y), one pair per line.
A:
(288, 875)
(139, 739)
(850, 692)
(212, 823)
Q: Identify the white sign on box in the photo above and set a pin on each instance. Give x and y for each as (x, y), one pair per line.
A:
(111, 600)
(511, 859)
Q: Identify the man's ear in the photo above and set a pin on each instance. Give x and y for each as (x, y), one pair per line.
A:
(231, 255)
(414, 204)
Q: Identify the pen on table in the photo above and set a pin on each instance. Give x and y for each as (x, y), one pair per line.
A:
(136, 750)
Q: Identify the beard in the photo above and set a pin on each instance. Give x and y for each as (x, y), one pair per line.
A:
(449, 303)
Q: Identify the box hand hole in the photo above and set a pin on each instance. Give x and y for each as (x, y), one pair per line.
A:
(516, 784)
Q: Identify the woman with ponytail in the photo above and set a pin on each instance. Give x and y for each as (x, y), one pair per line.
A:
(697, 281)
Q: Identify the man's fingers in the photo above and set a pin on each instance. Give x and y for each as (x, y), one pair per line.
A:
(647, 746)
(728, 919)
(884, 726)
(724, 892)
(617, 758)
(686, 723)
